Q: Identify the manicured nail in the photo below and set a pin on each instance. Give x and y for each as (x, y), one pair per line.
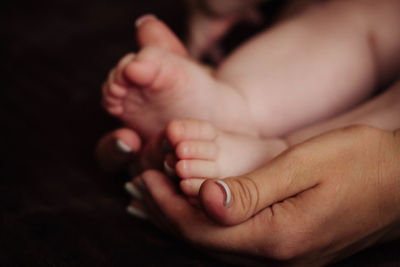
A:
(122, 147)
(136, 212)
(228, 194)
(139, 21)
(133, 191)
(168, 169)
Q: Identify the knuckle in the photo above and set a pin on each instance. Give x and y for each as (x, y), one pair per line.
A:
(247, 195)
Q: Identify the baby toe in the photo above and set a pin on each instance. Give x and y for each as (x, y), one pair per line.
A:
(191, 187)
(115, 110)
(119, 69)
(110, 101)
(117, 90)
(190, 129)
(193, 149)
(196, 169)
(141, 73)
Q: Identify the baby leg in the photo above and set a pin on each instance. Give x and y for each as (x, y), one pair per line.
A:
(314, 65)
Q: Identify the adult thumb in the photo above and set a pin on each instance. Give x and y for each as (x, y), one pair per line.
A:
(235, 199)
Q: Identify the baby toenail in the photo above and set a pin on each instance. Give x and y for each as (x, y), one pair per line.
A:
(133, 191)
(228, 194)
(122, 147)
(139, 21)
(136, 212)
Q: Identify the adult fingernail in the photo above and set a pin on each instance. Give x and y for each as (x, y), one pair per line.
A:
(168, 169)
(139, 21)
(136, 212)
(227, 192)
(122, 147)
(168, 163)
(133, 191)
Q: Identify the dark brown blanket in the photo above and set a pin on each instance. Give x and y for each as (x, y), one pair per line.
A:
(57, 207)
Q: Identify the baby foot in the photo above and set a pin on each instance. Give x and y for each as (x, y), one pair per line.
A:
(201, 151)
(148, 89)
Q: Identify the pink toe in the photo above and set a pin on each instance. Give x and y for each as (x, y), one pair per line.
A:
(112, 101)
(117, 90)
(174, 132)
(115, 110)
(196, 169)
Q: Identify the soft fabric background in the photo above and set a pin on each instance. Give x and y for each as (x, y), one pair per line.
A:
(57, 207)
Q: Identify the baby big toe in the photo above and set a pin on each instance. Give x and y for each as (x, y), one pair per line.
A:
(141, 73)
(118, 75)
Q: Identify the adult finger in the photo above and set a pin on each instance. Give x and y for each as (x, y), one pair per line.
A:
(117, 148)
(236, 199)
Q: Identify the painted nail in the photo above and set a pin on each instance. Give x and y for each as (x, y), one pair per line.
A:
(168, 169)
(122, 147)
(139, 21)
(136, 212)
(228, 194)
(133, 191)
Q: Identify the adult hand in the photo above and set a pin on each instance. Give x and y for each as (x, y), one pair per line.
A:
(320, 201)
(123, 148)
(118, 148)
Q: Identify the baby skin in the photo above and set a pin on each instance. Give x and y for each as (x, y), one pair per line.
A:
(250, 92)
(148, 89)
(137, 87)
(197, 150)
(245, 100)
